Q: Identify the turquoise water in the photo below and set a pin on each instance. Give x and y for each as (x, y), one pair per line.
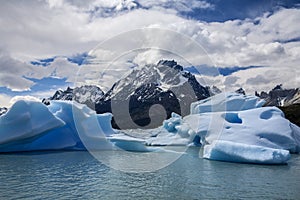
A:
(77, 175)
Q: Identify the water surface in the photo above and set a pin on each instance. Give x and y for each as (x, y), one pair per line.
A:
(77, 175)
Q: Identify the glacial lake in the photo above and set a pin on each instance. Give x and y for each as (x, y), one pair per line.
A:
(78, 175)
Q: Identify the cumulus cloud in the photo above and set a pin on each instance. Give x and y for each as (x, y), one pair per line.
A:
(13, 73)
(58, 27)
(177, 5)
(230, 80)
(259, 79)
(17, 75)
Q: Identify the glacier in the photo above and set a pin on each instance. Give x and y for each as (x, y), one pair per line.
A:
(227, 127)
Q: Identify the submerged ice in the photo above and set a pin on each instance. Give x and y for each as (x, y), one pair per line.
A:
(230, 127)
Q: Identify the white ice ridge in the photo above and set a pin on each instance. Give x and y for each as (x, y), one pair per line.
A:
(226, 102)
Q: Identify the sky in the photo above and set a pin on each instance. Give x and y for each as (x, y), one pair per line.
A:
(46, 45)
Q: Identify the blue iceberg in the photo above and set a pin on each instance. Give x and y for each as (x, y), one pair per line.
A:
(32, 126)
(233, 133)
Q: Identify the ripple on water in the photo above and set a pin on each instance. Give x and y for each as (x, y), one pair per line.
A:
(77, 175)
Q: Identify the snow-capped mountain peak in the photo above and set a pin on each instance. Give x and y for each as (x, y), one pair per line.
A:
(88, 94)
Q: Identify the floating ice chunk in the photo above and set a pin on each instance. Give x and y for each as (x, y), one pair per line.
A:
(226, 102)
(129, 143)
(168, 140)
(243, 153)
(171, 123)
(172, 133)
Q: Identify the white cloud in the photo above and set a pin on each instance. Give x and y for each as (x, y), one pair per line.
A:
(13, 72)
(38, 29)
(176, 5)
(4, 100)
(26, 98)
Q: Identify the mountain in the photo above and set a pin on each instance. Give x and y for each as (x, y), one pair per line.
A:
(240, 91)
(88, 94)
(279, 96)
(3, 110)
(150, 94)
(145, 97)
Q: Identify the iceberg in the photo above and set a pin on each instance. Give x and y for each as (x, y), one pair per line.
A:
(264, 126)
(234, 134)
(25, 122)
(32, 126)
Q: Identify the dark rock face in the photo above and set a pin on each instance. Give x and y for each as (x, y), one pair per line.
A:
(3, 111)
(292, 113)
(241, 91)
(280, 96)
(66, 95)
(46, 102)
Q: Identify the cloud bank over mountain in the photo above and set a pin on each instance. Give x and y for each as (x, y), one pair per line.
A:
(234, 36)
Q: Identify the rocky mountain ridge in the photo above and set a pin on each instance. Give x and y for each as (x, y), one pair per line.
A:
(280, 96)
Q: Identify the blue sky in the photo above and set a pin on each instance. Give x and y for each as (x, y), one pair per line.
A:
(46, 45)
(239, 9)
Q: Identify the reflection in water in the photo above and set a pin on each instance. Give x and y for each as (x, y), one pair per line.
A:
(73, 175)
